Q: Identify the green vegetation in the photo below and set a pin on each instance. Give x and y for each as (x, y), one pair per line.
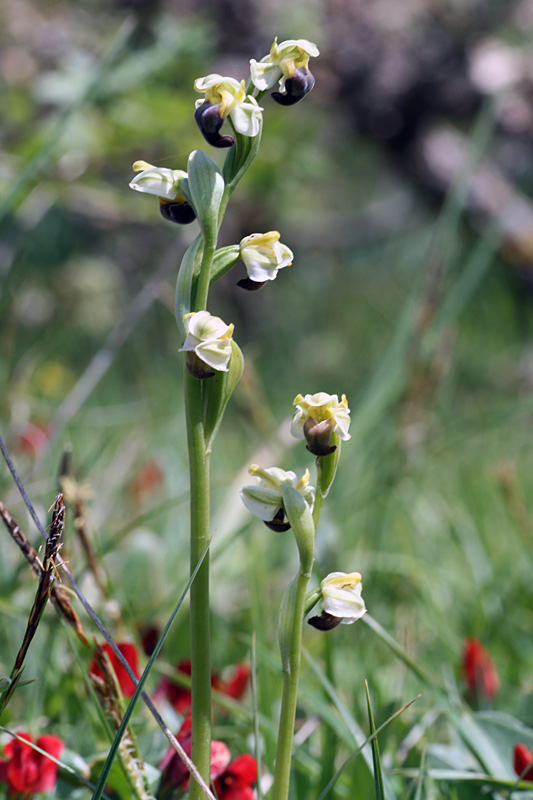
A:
(398, 304)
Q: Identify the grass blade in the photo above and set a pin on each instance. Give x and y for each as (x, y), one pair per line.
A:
(378, 773)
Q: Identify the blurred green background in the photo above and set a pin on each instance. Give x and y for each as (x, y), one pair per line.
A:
(401, 183)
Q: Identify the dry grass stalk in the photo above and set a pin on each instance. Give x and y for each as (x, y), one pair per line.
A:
(59, 594)
(46, 579)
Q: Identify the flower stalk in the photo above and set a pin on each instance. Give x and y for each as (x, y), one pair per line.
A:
(199, 593)
(290, 634)
(291, 674)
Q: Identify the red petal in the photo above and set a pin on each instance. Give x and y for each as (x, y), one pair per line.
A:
(244, 769)
(236, 686)
(220, 758)
(129, 651)
(237, 781)
(479, 671)
(28, 771)
(523, 758)
(21, 769)
(47, 769)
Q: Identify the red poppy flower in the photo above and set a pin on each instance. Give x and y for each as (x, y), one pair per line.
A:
(479, 670)
(236, 685)
(26, 771)
(180, 698)
(237, 780)
(523, 758)
(146, 481)
(33, 439)
(130, 654)
(175, 773)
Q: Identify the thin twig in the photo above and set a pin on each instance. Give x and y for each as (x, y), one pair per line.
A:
(59, 593)
(46, 579)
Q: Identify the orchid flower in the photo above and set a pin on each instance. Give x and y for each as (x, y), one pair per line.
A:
(317, 417)
(225, 97)
(265, 499)
(208, 344)
(342, 604)
(263, 255)
(165, 184)
(287, 63)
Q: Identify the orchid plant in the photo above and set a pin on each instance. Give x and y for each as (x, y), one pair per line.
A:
(213, 366)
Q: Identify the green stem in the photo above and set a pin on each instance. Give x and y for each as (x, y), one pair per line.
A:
(319, 497)
(317, 507)
(199, 594)
(200, 300)
(329, 742)
(290, 692)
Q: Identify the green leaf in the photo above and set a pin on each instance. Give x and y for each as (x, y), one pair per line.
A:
(116, 782)
(302, 525)
(224, 260)
(217, 392)
(286, 622)
(327, 467)
(184, 284)
(376, 759)
(240, 156)
(206, 186)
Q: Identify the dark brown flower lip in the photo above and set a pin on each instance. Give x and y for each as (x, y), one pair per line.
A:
(296, 88)
(209, 121)
(173, 211)
(325, 622)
